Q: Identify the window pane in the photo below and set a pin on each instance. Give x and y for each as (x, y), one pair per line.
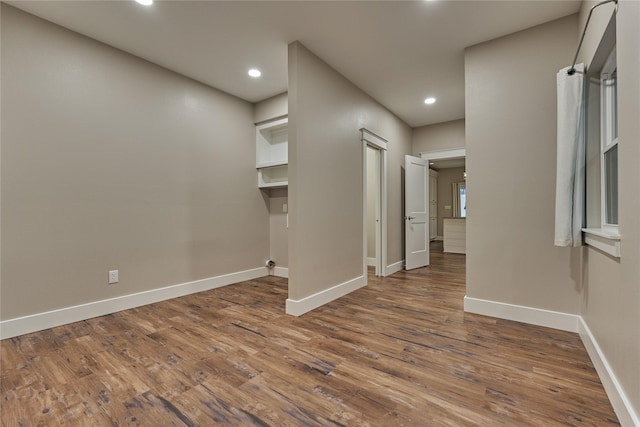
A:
(611, 185)
(614, 102)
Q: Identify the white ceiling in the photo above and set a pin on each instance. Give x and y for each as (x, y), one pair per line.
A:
(399, 52)
(458, 162)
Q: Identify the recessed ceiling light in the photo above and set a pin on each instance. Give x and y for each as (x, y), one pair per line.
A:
(145, 2)
(430, 100)
(254, 72)
(431, 163)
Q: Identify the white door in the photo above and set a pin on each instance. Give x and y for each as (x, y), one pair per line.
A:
(416, 197)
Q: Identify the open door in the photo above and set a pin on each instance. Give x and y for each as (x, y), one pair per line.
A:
(416, 218)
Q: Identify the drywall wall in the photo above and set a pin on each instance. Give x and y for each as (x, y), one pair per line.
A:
(110, 162)
(511, 127)
(438, 137)
(326, 221)
(278, 236)
(270, 109)
(446, 177)
(611, 299)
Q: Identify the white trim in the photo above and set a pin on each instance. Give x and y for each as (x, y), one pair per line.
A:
(619, 400)
(306, 304)
(440, 238)
(608, 140)
(40, 321)
(369, 139)
(281, 272)
(444, 154)
(395, 267)
(608, 241)
(519, 313)
(371, 262)
(373, 139)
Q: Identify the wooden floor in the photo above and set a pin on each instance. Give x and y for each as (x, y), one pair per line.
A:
(399, 352)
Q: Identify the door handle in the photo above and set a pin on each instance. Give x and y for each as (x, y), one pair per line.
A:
(409, 218)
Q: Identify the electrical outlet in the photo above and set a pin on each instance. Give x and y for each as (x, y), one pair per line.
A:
(285, 208)
(113, 276)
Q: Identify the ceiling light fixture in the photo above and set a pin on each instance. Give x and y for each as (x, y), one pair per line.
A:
(430, 100)
(254, 72)
(145, 2)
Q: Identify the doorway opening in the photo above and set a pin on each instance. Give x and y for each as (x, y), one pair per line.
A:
(451, 201)
(374, 151)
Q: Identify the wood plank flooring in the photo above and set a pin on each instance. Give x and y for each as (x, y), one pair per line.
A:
(400, 352)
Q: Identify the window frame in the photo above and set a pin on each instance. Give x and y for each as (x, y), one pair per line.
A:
(608, 137)
(607, 237)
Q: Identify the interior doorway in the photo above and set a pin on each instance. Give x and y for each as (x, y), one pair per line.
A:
(451, 205)
(374, 151)
(373, 209)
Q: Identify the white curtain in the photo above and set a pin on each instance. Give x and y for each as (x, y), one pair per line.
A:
(570, 186)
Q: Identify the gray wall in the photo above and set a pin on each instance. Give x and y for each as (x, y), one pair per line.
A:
(446, 177)
(511, 128)
(278, 236)
(110, 162)
(611, 299)
(438, 137)
(271, 109)
(326, 112)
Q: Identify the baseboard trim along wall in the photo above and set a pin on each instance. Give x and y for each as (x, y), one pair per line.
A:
(519, 313)
(621, 404)
(371, 262)
(394, 268)
(281, 272)
(566, 322)
(304, 305)
(40, 321)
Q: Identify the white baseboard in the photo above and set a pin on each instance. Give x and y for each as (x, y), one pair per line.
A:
(621, 404)
(371, 262)
(394, 268)
(301, 306)
(440, 238)
(281, 272)
(519, 313)
(40, 321)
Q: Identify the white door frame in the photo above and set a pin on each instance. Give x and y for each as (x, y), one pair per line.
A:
(370, 139)
(444, 154)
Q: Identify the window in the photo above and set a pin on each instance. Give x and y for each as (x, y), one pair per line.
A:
(609, 142)
(602, 158)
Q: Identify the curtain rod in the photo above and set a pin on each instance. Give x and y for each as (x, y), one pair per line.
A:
(572, 70)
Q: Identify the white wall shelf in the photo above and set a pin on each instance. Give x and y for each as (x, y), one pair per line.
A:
(272, 143)
(272, 153)
(273, 177)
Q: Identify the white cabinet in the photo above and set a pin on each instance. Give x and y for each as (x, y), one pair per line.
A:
(455, 235)
(272, 153)
(433, 204)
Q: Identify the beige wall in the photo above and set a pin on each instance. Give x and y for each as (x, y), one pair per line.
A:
(446, 177)
(110, 162)
(511, 127)
(611, 299)
(326, 112)
(438, 137)
(270, 109)
(278, 236)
